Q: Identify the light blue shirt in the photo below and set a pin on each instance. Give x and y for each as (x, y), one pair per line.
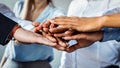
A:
(99, 54)
(32, 52)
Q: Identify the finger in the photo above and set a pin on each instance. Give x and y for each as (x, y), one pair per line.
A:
(35, 24)
(60, 17)
(41, 26)
(35, 30)
(61, 22)
(51, 38)
(38, 28)
(46, 24)
(48, 42)
(73, 27)
(67, 18)
(62, 28)
(52, 25)
(46, 30)
(61, 42)
(65, 21)
(60, 35)
(73, 48)
(57, 29)
(75, 37)
(67, 33)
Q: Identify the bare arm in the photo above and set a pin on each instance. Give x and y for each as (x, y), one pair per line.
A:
(88, 24)
(112, 20)
(25, 36)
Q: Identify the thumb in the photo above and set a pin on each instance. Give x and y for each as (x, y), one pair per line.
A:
(35, 24)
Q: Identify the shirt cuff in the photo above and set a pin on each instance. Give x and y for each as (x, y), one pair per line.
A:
(111, 34)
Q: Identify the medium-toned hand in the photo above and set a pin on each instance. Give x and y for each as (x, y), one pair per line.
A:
(44, 30)
(83, 40)
(80, 24)
(81, 43)
(38, 29)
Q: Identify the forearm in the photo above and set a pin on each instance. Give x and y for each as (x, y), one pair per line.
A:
(25, 36)
(112, 20)
(108, 22)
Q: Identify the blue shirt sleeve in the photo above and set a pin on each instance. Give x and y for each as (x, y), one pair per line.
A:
(111, 34)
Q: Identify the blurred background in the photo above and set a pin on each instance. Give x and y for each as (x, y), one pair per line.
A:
(58, 3)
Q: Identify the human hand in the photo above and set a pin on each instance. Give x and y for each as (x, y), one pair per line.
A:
(39, 29)
(83, 40)
(59, 44)
(44, 30)
(80, 24)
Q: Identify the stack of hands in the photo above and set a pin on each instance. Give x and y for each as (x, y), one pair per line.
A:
(58, 31)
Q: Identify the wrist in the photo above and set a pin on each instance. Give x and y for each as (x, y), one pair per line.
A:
(38, 38)
(14, 30)
(103, 21)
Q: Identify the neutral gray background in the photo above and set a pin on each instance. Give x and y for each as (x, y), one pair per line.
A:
(58, 3)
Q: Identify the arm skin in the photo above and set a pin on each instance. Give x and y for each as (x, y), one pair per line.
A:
(83, 39)
(82, 25)
(45, 31)
(88, 24)
(25, 36)
(112, 20)
(7, 32)
(91, 24)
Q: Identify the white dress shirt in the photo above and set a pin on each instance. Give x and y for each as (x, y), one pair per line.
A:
(99, 54)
